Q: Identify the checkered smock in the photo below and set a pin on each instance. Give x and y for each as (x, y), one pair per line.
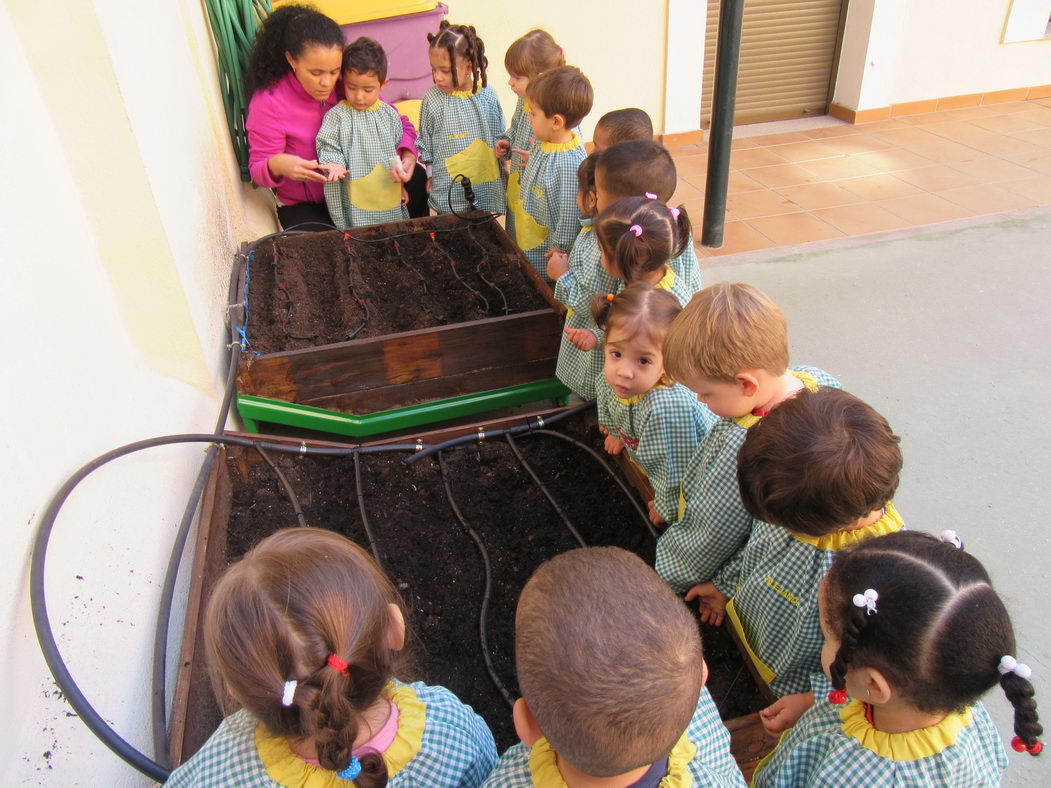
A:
(687, 268)
(660, 429)
(713, 524)
(772, 584)
(547, 217)
(834, 746)
(701, 758)
(457, 134)
(363, 142)
(520, 135)
(456, 749)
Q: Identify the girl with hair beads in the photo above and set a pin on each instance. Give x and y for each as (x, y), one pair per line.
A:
(640, 408)
(305, 634)
(915, 634)
(460, 118)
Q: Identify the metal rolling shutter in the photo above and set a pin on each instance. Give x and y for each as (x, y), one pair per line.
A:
(788, 50)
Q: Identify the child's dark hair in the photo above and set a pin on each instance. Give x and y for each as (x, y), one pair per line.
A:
(818, 462)
(939, 629)
(586, 182)
(291, 28)
(277, 614)
(365, 56)
(533, 54)
(624, 125)
(462, 41)
(562, 91)
(638, 235)
(631, 169)
(608, 659)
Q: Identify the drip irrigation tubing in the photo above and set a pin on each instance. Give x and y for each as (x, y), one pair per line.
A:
(363, 303)
(545, 491)
(300, 517)
(452, 265)
(484, 261)
(482, 629)
(365, 517)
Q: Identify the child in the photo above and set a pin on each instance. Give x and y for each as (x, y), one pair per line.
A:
(304, 634)
(730, 346)
(622, 125)
(547, 221)
(915, 633)
(818, 475)
(640, 408)
(359, 136)
(527, 58)
(459, 123)
(612, 677)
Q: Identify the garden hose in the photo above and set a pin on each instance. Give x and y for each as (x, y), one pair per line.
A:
(364, 517)
(545, 491)
(301, 519)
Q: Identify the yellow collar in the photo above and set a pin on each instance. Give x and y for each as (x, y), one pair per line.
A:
(634, 399)
(543, 765)
(525, 106)
(907, 746)
(461, 93)
(376, 105)
(286, 768)
(809, 382)
(555, 147)
(840, 540)
(667, 281)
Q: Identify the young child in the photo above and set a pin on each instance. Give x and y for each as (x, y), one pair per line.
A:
(915, 634)
(547, 221)
(359, 136)
(730, 346)
(817, 474)
(459, 120)
(304, 634)
(612, 678)
(622, 125)
(640, 408)
(527, 58)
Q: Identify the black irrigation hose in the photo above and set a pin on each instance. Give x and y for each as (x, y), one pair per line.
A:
(404, 262)
(363, 303)
(484, 261)
(452, 264)
(300, 517)
(545, 491)
(361, 507)
(482, 629)
(479, 437)
(598, 458)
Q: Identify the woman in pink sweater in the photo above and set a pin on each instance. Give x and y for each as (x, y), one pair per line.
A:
(293, 78)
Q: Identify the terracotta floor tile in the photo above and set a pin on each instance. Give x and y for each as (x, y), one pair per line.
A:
(1037, 189)
(842, 167)
(782, 175)
(833, 131)
(892, 159)
(799, 152)
(740, 237)
(749, 205)
(678, 151)
(857, 143)
(924, 208)
(878, 187)
(739, 182)
(861, 219)
(795, 228)
(986, 198)
(901, 137)
(961, 131)
(1000, 145)
(1040, 137)
(819, 195)
(935, 178)
(743, 143)
(967, 113)
(766, 140)
(942, 150)
(1008, 107)
(754, 157)
(1036, 161)
(695, 208)
(1039, 115)
(881, 125)
(685, 190)
(1006, 124)
(991, 169)
(691, 165)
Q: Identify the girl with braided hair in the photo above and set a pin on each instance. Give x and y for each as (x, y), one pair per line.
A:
(460, 120)
(915, 634)
(305, 635)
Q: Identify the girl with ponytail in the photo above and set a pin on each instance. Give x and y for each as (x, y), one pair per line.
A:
(915, 634)
(304, 636)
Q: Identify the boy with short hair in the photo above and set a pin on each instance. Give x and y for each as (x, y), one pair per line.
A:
(622, 125)
(546, 218)
(611, 671)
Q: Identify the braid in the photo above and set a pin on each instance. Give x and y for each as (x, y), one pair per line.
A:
(684, 231)
(852, 632)
(476, 53)
(1020, 693)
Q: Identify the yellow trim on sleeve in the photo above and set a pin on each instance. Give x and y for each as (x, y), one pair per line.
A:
(907, 746)
(840, 540)
(809, 382)
(555, 147)
(764, 671)
(543, 765)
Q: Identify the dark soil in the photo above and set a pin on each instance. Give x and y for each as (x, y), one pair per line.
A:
(323, 288)
(731, 685)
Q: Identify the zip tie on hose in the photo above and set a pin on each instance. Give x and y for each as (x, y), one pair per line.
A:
(419, 444)
(242, 330)
(481, 434)
(303, 447)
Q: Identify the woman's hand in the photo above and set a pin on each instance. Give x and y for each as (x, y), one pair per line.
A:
(613, 445)
(713, 603)
(785, 712)
(582, 338)
(285, 165)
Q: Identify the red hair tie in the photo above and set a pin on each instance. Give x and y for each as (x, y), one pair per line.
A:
(1020, 746)
(336, 663)
(839, 697)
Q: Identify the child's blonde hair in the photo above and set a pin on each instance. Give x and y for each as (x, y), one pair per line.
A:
(533, 54)
(725, 329)
(562, 91)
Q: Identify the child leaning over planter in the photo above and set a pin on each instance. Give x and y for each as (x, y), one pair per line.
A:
(818, 475)
(641, 409)
(612, 677)
(360, 136)
(305, 635)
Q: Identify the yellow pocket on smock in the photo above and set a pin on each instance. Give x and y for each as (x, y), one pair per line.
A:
(528, 233)
(375, 192)
(477, 161)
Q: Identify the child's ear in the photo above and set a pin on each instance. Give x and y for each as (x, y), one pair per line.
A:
(558, 121)
(748, 382)
(395, 628)
(878, 689)
(704, 672)
(384, 84)
(525, 723)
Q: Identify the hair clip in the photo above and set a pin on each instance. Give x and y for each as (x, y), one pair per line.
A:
(650, 196)
(336, 663)
(610, 297)
(839, 697)
(1020, 746)
(289, 692)
(352, 769)
(674, 213)
(951, 537)
(867, 600)
(637, 229)
(1009, 664)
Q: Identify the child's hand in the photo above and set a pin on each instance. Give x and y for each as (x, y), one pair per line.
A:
(603, 430)
(523, 153)
(335, 172)
(785, 712)
(613, 445)
(557, 264)
(404, 196)
(713, 602)
(502, 148)
(655, 516)
(428, 186)
(581, 337)
(408, 164)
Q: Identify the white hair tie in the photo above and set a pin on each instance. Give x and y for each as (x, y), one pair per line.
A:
(290, 690)
(1009, 664)
(867, 600)
(951, 537)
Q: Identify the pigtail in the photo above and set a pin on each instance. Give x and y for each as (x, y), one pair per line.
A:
(336, 727)
(684, 229)
(476, 54)
(851, 635)
(600, 309)
(1026, 722)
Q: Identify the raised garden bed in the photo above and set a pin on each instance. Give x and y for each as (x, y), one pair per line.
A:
(389, 317)
(436, 562)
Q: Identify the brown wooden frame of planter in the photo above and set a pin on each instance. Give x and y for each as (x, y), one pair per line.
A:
(749, 742)
(398, 370)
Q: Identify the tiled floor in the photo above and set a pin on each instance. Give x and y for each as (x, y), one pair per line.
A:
(829, 181)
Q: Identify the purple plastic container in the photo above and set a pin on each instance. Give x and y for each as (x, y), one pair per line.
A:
(404, 38)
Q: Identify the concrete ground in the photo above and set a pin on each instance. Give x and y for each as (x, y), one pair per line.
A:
(945, 330)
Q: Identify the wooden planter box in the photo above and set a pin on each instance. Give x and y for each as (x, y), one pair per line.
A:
(190, 724)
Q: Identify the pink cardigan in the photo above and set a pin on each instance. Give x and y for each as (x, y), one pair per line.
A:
(284, 118)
